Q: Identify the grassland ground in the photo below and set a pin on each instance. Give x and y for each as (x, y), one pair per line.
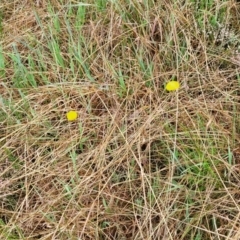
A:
(139, 162)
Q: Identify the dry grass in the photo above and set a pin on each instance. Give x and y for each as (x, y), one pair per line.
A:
(139, 163)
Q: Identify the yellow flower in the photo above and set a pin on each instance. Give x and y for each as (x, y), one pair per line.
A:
(72, 115)
(172, 85)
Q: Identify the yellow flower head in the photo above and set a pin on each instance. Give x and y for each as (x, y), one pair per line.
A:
(72, 115)
(172, 85)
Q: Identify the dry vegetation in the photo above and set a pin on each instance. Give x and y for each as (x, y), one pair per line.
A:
(139, 163)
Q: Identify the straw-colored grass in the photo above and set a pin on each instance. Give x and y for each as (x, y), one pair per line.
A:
(139, 162)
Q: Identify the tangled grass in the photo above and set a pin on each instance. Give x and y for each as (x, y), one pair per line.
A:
(139, 162)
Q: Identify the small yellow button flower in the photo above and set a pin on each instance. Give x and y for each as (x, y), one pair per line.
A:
(172, 85)
(72, 115)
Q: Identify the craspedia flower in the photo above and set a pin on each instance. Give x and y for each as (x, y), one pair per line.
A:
(172, 85)
(72, 115)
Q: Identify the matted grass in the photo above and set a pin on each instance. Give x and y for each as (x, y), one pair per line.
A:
(139, 162)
